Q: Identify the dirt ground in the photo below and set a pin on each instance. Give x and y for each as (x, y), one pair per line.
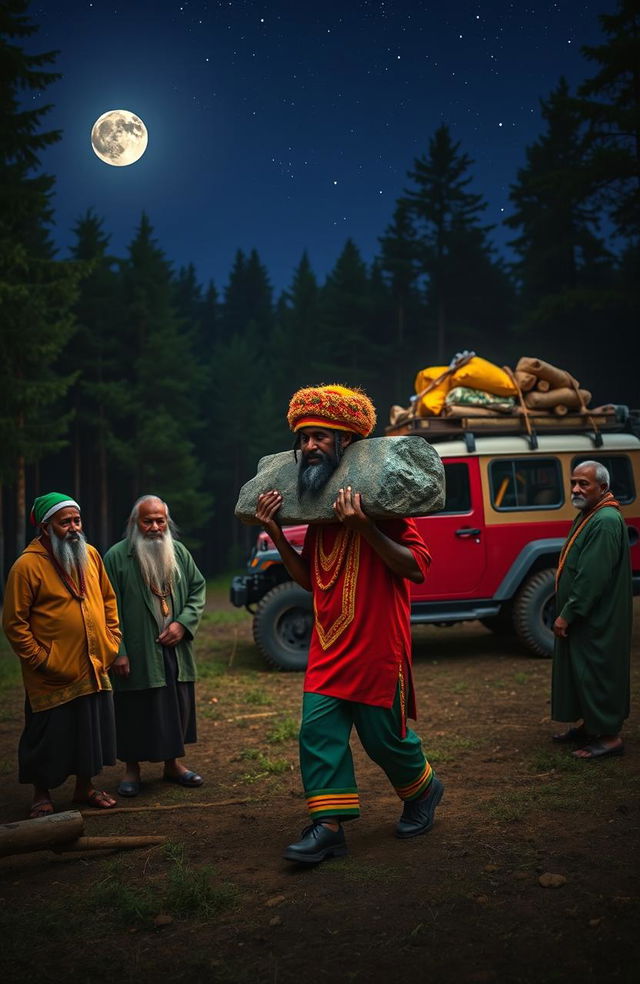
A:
(462, 904)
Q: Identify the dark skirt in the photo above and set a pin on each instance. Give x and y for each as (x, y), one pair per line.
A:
(154, 725)
(74, 739)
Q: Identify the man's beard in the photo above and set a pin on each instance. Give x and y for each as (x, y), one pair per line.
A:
(578, 502)
(157, 558)
(313, 477)
(70, 551)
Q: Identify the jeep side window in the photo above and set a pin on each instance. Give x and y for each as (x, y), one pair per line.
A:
(458, 498)
(526, 483)
(620, 473)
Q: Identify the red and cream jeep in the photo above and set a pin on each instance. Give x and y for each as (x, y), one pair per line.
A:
(494, 546)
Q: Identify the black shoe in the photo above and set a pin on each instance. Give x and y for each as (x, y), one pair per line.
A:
(418, 815)
(318, 842)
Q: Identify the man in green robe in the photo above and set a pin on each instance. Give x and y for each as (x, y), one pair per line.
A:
(160, 594)
(593, 625)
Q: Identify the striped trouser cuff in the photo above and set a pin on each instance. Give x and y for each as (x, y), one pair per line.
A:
(324, 803)
(415, 789)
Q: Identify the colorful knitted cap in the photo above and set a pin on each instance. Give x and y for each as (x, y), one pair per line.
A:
(46, 505)
(335, 407)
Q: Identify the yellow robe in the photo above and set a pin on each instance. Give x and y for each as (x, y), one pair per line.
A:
(66, 646)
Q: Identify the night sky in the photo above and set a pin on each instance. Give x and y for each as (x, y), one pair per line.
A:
(291, 125)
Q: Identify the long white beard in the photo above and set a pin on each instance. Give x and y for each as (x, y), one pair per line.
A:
(70, 551)
(157, 558)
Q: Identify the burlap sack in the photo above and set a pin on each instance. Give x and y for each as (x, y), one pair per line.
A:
(525, 380)
(567, 397)
(558, 378)
(396, 476)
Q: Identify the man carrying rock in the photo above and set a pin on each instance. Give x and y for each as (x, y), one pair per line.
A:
(359, 669)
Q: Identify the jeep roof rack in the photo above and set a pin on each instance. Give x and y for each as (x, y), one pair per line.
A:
(617, 418)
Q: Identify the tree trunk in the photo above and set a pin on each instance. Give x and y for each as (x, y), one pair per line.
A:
(1, 541)
(103, 523)
(77, 492)
(442, 326)
(21, 506)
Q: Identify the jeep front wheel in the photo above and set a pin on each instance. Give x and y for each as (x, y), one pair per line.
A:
(282, 626)
(533, 613)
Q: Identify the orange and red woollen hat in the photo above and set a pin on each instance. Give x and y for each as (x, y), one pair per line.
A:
(335, 407)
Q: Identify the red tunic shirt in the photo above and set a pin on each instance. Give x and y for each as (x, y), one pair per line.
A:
(361, 640)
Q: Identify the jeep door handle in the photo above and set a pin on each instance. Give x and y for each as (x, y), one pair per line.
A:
(466, 532)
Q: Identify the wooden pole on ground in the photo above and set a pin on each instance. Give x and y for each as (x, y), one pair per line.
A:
(62, 833)
(40, 834)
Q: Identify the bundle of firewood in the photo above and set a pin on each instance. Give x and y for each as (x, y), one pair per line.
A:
(549, 389)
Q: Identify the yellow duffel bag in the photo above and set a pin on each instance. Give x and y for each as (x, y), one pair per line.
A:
(432, 385)
(483, 375)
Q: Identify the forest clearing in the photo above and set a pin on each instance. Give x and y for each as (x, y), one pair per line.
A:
(465, 903)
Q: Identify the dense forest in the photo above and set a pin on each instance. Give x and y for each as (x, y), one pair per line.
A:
(122, 375)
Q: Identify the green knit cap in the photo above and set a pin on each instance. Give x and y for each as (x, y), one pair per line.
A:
(46, 505)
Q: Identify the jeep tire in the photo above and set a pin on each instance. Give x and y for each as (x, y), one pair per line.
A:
(502, 623)
(533, 613)
(282, 626)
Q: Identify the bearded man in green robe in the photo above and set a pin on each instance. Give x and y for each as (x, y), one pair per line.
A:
(593, 625)
(160, 594)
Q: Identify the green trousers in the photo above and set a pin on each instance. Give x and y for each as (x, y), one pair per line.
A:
(325, 756)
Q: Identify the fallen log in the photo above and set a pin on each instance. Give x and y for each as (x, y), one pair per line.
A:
(41, 834)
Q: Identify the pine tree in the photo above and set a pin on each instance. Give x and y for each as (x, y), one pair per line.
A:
(98, 397)
(296, 334)
(453, 245)
(165, 382)
(558, 245)
(348, 351)
(610, 102)
(563, 268)
(248, 297)
(36, 292)
(399, 263)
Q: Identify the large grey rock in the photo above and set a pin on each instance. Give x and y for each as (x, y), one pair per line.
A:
(397, 476)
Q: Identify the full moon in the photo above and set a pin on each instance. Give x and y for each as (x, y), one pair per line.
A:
(119, 137)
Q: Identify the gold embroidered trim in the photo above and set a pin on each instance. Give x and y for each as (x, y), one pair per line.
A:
(403, 696)
(334, 559)
(328, 636)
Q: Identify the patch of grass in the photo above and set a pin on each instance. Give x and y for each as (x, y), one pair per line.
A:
(185, 891)
(190, 891)
(10, 673)
(460, 687)
(211, 712)
(554, 760)
(285, 729)
(125, 900)
(571, 793)
(257, 698)
(448, 749)
(265, 766)
(521, 677)
(231, 617)
(358, 870)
